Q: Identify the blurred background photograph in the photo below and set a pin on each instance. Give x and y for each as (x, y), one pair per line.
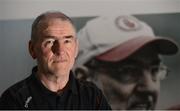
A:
(129, 49)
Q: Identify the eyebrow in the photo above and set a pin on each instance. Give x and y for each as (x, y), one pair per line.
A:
(68, 37)
(64, 37)
(155, 62)
(134, 61)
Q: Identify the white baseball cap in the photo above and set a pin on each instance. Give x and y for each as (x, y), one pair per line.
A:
(113, 38)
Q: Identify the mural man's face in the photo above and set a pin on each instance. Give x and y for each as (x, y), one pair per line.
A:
(134, 83)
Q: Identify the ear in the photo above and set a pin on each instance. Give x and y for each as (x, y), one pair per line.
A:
(76, 48)
(32, 50)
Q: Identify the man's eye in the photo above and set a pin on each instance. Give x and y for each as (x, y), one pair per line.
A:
(49, 42)
(68, 41)
(159, 72)
(163, 72)
(154, 70)
(129, 74)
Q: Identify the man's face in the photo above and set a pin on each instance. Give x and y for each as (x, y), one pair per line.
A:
(135, 83)
(56, 47)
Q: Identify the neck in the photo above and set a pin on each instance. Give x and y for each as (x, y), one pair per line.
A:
(52, 82)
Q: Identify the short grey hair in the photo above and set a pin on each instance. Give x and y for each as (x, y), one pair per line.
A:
(47, 16)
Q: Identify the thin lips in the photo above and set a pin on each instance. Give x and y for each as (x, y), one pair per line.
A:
(143, 101)
(141, 105)
(59, 60)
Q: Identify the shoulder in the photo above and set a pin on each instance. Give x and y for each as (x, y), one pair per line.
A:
(18, 87)
(14, 94)
(91, 94)
(83, 87)
(89, 87)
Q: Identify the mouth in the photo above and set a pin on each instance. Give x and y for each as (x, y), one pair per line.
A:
(143, 101)
(142, 106)
(59, 61)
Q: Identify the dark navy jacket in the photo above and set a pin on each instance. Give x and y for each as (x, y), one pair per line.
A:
(30, 93)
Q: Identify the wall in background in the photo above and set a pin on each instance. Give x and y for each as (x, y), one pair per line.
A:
(27, 9)
(15, 26)
(16, 63)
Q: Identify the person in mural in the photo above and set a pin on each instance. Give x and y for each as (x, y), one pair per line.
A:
(52, 84)
(122, 56)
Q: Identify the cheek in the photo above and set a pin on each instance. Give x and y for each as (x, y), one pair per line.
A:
(71, 52)
(126, 90)
(44, 54)
(157, 86)
(119, 90)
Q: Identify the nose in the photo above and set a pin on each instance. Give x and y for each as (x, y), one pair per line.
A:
(57, 47)
(147, 83)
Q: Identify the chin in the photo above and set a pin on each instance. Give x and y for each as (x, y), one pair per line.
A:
(61, 72)
(116, 105)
